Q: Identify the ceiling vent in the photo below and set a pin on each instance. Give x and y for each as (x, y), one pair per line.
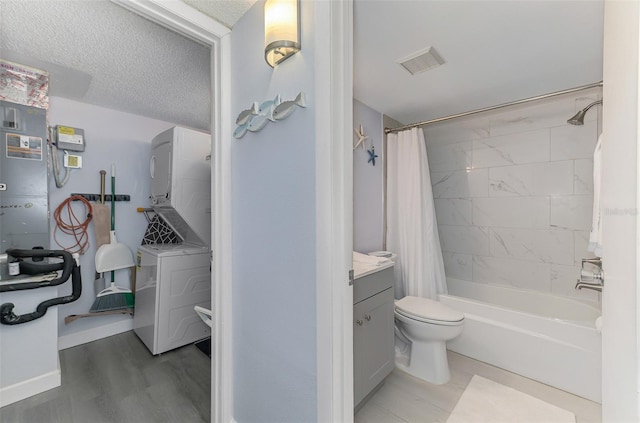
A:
(421, 61)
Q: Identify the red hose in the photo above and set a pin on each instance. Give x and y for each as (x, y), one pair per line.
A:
(73, 226)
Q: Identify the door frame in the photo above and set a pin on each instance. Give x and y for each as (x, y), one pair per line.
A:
(187, 21)
(334, 196)
(620, 199)
(334, 209)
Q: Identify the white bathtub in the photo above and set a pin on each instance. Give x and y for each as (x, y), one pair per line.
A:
(546, 338)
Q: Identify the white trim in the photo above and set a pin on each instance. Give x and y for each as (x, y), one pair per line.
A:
(619, 194)
(222, 367)
(82, 337)
(28, 388)
(180, 17)
(334, 197)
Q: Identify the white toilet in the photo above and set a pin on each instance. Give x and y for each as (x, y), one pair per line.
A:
(428, 324)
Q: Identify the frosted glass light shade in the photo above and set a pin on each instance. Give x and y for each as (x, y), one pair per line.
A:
(281, 30)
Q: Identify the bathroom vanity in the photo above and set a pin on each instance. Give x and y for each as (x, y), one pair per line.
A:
(373, 334)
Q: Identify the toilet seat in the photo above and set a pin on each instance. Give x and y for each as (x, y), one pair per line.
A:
(428, 311)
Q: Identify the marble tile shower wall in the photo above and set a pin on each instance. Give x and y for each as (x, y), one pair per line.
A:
(513, 194)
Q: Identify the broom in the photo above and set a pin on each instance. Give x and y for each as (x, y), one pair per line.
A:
(114, 297)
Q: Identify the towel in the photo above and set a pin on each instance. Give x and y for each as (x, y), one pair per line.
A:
(595, 237)
(370, 260)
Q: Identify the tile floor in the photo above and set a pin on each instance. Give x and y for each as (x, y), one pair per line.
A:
(405, 399)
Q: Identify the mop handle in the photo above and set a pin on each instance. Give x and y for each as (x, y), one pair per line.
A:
(113, 197)
(113, 209)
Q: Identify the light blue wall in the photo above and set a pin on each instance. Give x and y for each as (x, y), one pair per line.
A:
(367, 181)
(274, 233)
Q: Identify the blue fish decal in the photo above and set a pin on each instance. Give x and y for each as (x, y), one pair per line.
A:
(284, 109)
(269, 104)
(245, 115)
(259, 121)
(240, 131)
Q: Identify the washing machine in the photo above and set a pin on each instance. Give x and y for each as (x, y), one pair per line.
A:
(171, 279)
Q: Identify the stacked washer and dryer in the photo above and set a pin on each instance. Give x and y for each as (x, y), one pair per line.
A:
(174, 274)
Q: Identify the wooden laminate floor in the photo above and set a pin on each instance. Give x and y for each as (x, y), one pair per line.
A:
(116, 379)
(405, 399)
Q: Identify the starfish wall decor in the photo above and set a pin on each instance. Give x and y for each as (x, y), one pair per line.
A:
(372, 155)
(361, 137)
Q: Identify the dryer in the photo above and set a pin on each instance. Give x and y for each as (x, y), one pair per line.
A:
(173, 278)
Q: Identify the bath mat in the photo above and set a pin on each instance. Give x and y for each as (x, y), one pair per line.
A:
(490, 402)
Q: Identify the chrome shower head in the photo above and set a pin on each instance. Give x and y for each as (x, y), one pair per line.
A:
(578, 119)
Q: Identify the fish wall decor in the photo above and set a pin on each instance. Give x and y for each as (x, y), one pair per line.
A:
(284, 109)
(258, 122)
(269, 104)
(240, 131)
(259, 115)
(245, 115)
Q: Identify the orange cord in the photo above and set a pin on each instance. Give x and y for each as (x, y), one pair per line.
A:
(74, 226)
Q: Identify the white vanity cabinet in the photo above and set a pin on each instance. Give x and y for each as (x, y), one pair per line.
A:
(373, 335)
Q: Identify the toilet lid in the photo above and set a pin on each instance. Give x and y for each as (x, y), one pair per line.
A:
(424, 308)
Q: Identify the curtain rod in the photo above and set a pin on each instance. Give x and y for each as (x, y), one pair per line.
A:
(487, 109)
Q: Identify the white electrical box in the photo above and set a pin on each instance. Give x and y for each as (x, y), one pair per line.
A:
(72, 161)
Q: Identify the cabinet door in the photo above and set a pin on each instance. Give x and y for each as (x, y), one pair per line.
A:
(373, 346)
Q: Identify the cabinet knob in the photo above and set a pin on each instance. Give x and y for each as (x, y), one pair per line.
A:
(367, 317)
(359, 322)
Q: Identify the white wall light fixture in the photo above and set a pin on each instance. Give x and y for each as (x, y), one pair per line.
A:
(281, 30)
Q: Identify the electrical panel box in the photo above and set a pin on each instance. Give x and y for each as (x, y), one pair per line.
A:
(68, 138)
(24, 195)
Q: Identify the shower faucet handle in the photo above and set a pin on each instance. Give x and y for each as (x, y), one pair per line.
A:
(591, 279)
(589, 276)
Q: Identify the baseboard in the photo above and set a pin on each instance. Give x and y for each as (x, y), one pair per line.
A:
(28, 388)
(89, 335)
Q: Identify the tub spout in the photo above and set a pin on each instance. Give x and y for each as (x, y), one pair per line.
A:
(593, 286)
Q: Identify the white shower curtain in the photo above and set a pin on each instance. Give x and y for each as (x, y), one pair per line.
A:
(412, 231)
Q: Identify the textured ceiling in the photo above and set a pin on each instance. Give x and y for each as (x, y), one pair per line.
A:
(494, 52)
(101, 54)
(225, 11)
